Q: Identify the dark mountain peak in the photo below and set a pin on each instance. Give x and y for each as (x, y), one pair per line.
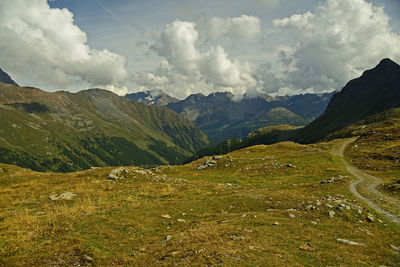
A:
(376, 91)
(387, 62)
(5, 78)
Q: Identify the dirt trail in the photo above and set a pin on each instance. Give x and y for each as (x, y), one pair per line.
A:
(369, 182)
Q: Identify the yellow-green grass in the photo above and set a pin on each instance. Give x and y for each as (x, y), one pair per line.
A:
(228, 210)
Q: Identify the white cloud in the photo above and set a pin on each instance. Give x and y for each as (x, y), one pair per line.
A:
(119, 90)
(334, 44)
(189, 70)
(46, 39)
(243, 27)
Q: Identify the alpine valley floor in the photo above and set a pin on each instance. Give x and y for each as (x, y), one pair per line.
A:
(280, 205)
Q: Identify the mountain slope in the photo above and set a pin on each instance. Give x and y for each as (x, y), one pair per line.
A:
(152, 97)
(220, 116)
(5, 78)
(374, 92)
(369, 97)
(65, 131)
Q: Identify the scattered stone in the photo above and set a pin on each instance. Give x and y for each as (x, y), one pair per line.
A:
(395, 248)
(275, 223)
(168, 237)
(165, 216)
(244, 215)
(207, 164)
(39, 213)
(184, 214)
(118, 174)
(348, 242)
(181, 220)
(237, 237)
(380, 221)
(359, 211)
(370, 218)
(307, 247)
(310, 207)
(65, 196)
(313, 222)
(201, 167)
(292, 216)
(331, 214)
(333, 180)
(318, 203)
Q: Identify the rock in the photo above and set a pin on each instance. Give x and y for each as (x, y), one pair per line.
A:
(310, 207)
(331, 214)
(217, 157)
(292, 216)
(168, 237)
(307, 247)
(275, 223)
(318, 203)
(118, 174)
(348, 242)
(39, 213)
(64, 196)
(165, 216)
(313, 222)
(1, 170)
(380, 221)
(370, 218)
(201, 167)
(181, 220)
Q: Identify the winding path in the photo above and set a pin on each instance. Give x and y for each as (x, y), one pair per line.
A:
(370, 183)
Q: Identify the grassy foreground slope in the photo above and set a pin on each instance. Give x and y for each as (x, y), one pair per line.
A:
(259, 206)
(65, 131)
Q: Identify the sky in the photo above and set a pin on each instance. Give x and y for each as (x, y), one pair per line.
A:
(275, 47)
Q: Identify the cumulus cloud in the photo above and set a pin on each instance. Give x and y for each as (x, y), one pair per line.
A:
(243, 27)
(186, 67)
(47, 39)
(334, 44)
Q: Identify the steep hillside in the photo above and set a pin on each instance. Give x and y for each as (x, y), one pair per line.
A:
(5, 78)
(65, 131)
(152, 97)
(374, 92)
(220, 116)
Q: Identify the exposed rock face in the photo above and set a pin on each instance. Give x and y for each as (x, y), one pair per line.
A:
(152, 97)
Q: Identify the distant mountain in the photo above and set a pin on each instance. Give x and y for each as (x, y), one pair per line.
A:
(65, 131)
(5, 78)
(220, 116)
(152, 97)
(371, 98)
(376, 91)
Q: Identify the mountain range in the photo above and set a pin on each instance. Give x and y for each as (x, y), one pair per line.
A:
(152, 97)
(65, 131)
(376, 91)
(221, 116)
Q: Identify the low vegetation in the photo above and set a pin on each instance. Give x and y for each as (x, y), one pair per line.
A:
(285, 204)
